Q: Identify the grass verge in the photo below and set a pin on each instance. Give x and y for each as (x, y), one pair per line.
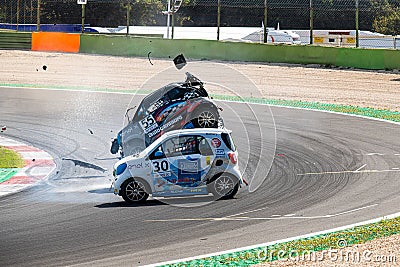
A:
(306, 246)
(10, 159)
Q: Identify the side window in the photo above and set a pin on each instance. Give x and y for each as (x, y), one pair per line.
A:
(157, 104)
(169, 147)
(182, 145)
(176, 94)
(158, 153)
(228, 141)
(204, 147)
(189, 145)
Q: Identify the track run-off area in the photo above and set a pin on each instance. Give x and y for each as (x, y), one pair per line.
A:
(328, 170)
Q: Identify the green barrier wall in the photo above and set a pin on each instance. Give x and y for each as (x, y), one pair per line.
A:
(235, 51)
(206, 49)
(15, 40)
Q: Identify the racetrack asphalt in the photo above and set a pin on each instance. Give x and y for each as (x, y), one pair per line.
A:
(328, 170)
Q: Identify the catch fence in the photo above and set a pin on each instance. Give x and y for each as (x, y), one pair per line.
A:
(365, 23)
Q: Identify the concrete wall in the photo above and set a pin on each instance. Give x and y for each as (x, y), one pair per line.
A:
(235, 51)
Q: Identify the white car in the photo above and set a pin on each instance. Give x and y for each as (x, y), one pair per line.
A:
(181, 163)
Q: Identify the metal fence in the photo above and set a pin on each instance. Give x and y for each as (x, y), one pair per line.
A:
(324, 22)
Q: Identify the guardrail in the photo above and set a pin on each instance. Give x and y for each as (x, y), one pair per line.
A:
(15, 40)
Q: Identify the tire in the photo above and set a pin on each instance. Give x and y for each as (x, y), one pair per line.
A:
(135, 191)
(224, 186)
(206, 118)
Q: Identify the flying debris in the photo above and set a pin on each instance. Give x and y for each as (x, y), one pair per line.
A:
(86, 165)
(148, 56)
(180, 61)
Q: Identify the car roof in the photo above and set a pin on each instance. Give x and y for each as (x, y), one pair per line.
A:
(200, 131)
(157, 94)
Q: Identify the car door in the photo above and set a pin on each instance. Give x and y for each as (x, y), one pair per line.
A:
(183, 165)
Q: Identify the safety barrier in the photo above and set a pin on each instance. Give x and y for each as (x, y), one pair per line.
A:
(202, 49)
(237, 51)
(15, 40)
(55, 41)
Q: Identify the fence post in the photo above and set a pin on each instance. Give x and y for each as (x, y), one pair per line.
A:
(311, 22)
(172, 24)
(18, 2)
(357, 35)
(83, 17)
(128, 17)
(265, 21)
(218, 18)
(38, 16)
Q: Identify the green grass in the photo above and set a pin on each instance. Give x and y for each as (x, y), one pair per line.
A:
(336, 240)
(10, 159)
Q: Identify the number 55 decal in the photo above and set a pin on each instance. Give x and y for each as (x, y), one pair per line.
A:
(148, 124)
(160, 166)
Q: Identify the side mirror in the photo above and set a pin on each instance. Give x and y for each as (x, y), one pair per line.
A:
(114, 146)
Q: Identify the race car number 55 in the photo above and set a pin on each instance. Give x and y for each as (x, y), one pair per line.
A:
(148, 124)
(160, 166)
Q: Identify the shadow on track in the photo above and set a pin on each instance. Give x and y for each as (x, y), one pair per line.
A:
(148, 203)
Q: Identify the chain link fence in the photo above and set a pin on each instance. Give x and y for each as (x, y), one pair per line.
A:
(329, 22)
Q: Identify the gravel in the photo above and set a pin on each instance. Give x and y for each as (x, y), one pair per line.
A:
(376, 89)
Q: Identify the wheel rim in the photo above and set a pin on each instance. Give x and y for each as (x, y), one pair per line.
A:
(135, 191)
(206, 119)
(224, 185)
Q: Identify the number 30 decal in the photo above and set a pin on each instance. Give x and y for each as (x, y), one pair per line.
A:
(160, 166)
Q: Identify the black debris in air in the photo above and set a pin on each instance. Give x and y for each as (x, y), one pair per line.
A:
(44, 67)
(86, 165)
(180, 61)
(90, 131)
(148, 56)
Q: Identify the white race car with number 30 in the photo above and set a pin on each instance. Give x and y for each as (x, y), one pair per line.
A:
(181, 163)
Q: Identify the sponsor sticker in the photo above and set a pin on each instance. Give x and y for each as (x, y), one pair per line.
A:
(208, 160)
(164, 126)
(220, 152)
(136, 166)
(189, 166)
(162, 174)
(215, 142)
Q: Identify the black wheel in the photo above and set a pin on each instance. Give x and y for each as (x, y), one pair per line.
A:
(224, 186)
(206, 118)
(134, 190)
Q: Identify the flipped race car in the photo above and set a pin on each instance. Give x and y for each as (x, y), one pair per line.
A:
(181, 163)
(183, 105)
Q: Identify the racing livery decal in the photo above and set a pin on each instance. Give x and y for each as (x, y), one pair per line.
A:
(215, 142)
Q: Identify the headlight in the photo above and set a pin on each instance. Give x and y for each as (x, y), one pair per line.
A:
(120, 169)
